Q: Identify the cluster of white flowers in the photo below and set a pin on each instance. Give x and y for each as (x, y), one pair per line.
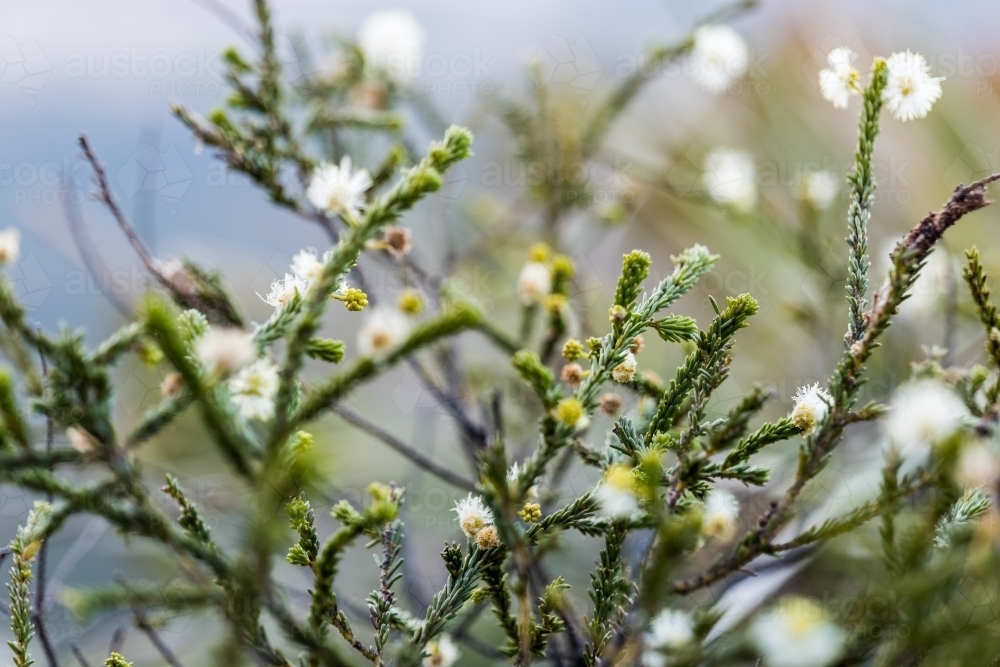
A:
(393, 43)
(730, 178)
(534, 283)
(10, 245)
(253, 390)
(719, 56)
(441, 652)
(476, 521)
(669, 630)
(383, 331)
(306, 271)
(223, 351)
(818, 188)
(922, 414)
(910, 90)
(795, 633)
(616, 492)
(720, 516)
(625, 371)
(812, 404)
(339, 189)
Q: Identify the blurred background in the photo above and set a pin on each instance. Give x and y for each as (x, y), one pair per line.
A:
(111, 68)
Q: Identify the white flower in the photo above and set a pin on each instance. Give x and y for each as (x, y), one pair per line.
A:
(473, 515)
(307, 267)
(923, 413)
(625, 371)
(795, 634)
(976, 467)
(534, 283)
(253, 390)
(730, 178)
(669, 630)
(911, 91)
(719, 57)
(393, 43)
(284, 289)
(10, 245)
(616, 492)
(812, 403)
(337, 189)
(441, 652)
(225, 351)
(819, 188)
(720, 515)
(514, 472)
(382, 332)
(840, 80)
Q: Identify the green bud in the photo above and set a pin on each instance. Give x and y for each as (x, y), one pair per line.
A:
(326, 349)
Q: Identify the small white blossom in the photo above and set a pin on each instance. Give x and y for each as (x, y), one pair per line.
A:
(338, 189)
(812, 403)
(382, 332)
(225, 351)
(616, 492)
(625, 371)
(253, 390)
(393, 43)
(308, 267)
(819, 188)
(840, 80)
(441, 652)
(10, 245)
(910, 91)
(669, 630)
(284, 289)
(721, 513)
(795, 634)
(719, 57)
(473, 515)
(923, 413)
(534, 283)
(730, 178)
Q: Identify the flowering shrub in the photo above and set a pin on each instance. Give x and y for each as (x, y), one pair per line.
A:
(666, 472)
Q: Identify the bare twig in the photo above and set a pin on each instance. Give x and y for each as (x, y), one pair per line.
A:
(80, 657)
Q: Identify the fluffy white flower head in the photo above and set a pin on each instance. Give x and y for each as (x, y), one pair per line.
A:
(382, 332)
(534, 283)
(225, 350)
(795, 634)
(719, 57)
(923, 413)
(10, 245)
(911, 91)
(730, 178)
(839, 80)
(338, 188)
(307, 266)
(819, 188)
(284, 289)
(670, 629)
(625, 371)
(721, 513)
(812, 403)
(253, 390)
(616, 492)
(393, 43)
(441, 652)
(473, 515)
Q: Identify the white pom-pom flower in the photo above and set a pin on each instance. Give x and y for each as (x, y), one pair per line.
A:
(720, 516)
(284, 289)
(382, 332)
(441, 652)
(338, 188)
(616, 492)
(812, 404)
(534, 283)
(393, 43)
(10, 245)
(922, 414)
(730, 178)
(910, 91)
(796, 634)
(625, 371)
(224, 351)
(473, 515)
(669, 630)
(253, 390)
(839, 80)
(308, 267)
(719, 57)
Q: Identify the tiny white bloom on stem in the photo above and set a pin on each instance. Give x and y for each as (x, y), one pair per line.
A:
(473, 515)
(819, 188)
(922, 414)
(812, 403)
(253, 390)
(730, 178)
(382, 332)
(534, 283)
(225, 350)
(625, 371)
(840, 80)
(616, 492)
(10, 245)
(910, 91)
(338, 188)
(669, 630)
(719, 57)
(284, 289)
(721, 513)
(393, 43)
(441, 652)
(796, 634)
(307, 267)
